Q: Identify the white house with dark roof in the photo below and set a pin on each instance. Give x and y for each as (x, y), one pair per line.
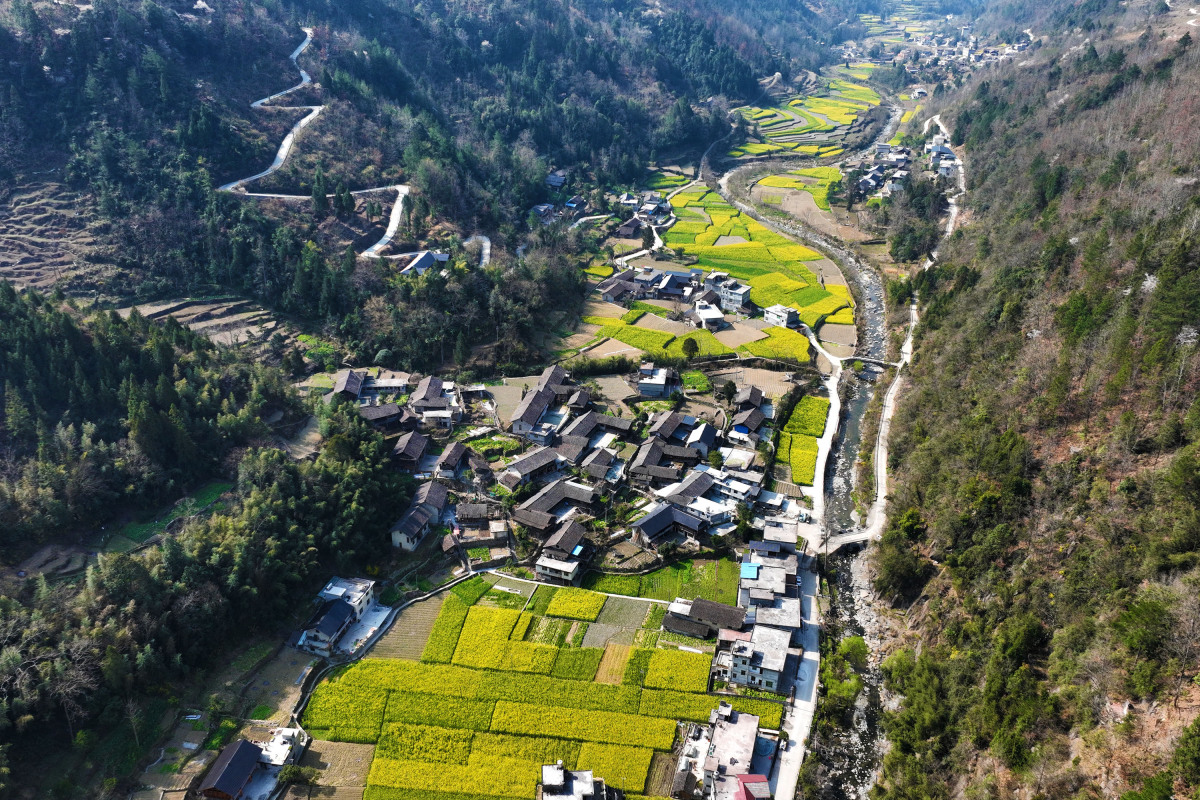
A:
(425, 511)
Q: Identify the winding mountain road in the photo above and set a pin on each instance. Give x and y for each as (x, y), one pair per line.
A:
(285, 150)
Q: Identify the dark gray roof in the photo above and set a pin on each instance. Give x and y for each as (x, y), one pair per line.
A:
(428, 391)
(581, 399)
(350, 383)
(452, 456)
(677, 624)
(666, 516)
(554, 493)
(566, 538)
(414, 519)
(472, 511)
(533, 519)
(552, 376)
(598, 462)
(433, 494)
(376, 413)
(333, 618)
(718, 614)
(695, 485)
(532, 406)
(571, 448)
(232, 770)
(677, 453)
(585, 424)
(533, 461)
(752, 418)
(749, 394)
(411, 445)
(665, 424)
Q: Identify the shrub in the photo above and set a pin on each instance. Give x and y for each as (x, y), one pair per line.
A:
(679, 670)
(575, 603)
(590, 726)
(439, 648)
(623, 767)
(578, 665)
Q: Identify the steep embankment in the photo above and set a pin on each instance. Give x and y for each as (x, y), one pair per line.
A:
(1043, 533)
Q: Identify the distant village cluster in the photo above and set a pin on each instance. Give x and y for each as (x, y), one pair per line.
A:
(888, 169)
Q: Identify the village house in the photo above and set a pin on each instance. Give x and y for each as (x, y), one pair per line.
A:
(656, 381)
(729, 753)
(321, 633)
(231, 772)
(579, 402)
(657, 462)
(702, 618)
(748, 397)
(759, 663)
(436, 401)
(665, 521)
(388, 417)
(424, 261)
(358, 592)
(425, 511)
(704, 314)
(347, 386)
(556, 502)
(630, 229)
(409, 450)
(528, 467)
(563, 556)
(580, 784)
(733, 295)
(781, 316)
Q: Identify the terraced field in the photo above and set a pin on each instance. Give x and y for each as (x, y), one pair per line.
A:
(444, 731)
(814, 125)
(230, 321)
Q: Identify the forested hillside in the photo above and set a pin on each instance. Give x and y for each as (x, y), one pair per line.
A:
(102, 414)
(1045, 534)
(144, 108)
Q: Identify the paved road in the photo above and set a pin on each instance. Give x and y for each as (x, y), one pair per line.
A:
(799, 720)
(285, 150)
(485, 248)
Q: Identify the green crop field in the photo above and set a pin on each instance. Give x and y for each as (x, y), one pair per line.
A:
(712, 580)
(576, 604)
(482, 726)
(780, 343)
(800, 452)
(808, 417)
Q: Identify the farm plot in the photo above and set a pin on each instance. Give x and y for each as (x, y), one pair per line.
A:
(712, 580)
(410, 631)
(800, 452)
(809, 416)
(773, 265)
(482, 722)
